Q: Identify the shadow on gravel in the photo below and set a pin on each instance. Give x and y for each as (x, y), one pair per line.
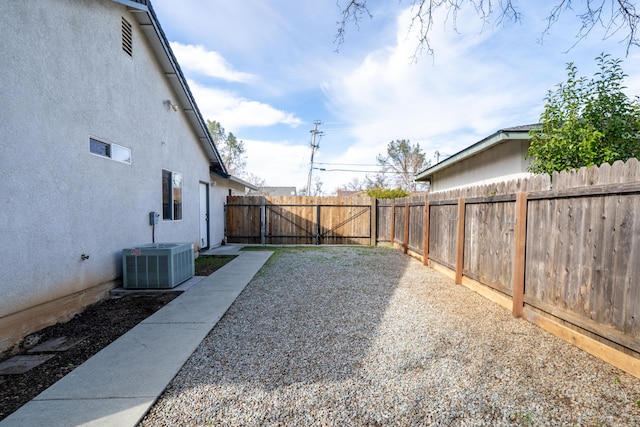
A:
(354, 336)
(308, 316)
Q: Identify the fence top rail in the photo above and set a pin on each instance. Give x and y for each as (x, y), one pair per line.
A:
(586, 191)
(475, 200)
(268, 204)
(592, 190)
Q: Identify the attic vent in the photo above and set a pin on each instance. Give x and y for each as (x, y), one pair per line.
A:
(127, 37)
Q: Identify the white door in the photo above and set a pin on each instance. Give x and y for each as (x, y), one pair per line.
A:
(204, 216)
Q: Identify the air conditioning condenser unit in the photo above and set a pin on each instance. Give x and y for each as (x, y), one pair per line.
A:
(157, 265)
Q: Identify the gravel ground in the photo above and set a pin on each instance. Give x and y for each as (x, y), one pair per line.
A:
(340, 336)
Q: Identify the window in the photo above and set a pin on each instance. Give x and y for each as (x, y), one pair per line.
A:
(171, 195)
(112, 151)
(127, 37)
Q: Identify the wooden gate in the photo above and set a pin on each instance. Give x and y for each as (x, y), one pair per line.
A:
(299, 220)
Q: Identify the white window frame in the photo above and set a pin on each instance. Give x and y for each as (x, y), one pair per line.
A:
(113, 151)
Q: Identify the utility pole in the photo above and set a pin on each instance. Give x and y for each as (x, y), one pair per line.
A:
(314, 146)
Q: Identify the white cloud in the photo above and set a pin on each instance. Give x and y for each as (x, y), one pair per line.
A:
(387, 97)
(279, 163)
(235, 112)
(197, 59)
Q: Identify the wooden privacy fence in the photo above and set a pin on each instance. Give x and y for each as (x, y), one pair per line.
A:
(300, 220)
(566, 258)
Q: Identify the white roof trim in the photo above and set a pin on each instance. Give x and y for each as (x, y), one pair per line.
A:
(473, 150)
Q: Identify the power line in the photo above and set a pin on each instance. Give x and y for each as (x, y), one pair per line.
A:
(356, 170)
(346, 164)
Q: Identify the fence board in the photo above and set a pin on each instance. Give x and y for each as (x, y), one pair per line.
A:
(416, 224)
(489, 244)
(442, 234)
(384, 220)
(399, 219)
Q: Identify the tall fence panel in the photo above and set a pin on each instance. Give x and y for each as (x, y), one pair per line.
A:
(347, 222)
(242, 220)
(384, 220)
(416, 224)
(585, 269)
(290, 220)
(399, 221)
(299, 220)
(489, 243)
(442, 233)
(564, 253)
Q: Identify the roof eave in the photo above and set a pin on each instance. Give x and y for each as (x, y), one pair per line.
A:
(143, 11)
(478, 147)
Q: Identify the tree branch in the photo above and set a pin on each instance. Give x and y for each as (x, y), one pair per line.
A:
(353, 12)
(612, 15)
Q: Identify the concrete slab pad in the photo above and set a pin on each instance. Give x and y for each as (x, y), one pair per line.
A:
(23, 363)
(56, 345)
(138, 364)
(196, 308)
(184, 286)
(94, 413)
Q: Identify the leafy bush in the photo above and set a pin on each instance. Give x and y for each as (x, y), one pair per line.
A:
(386, 193)
(587, 122)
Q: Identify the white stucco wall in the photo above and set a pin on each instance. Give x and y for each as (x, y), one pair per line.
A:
(65, 78)
(218, 196)
(506, 159)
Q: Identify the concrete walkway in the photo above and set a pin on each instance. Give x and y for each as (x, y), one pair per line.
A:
(118, 385)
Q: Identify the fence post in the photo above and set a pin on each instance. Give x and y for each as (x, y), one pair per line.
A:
(263, 221)
(460, 241)
(318, 228)
(405, 244)
(373, 222)
(519, 255)
(393, 223)
(425, 234)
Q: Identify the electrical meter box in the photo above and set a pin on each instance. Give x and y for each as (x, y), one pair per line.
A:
(153, 218)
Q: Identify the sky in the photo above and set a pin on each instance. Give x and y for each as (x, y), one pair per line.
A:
(268, 69)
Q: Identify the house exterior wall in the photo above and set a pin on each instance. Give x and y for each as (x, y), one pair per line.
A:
(507, 159)
(220, 189)
(219, 194)
(65, 78)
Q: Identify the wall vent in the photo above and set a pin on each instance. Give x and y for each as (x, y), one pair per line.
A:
(157, 265)
(127, 37)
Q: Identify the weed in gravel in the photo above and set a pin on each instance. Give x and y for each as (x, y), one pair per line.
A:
(524, 418)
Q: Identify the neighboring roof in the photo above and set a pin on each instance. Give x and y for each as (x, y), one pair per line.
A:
(513, 133)
(243, 182)
(148, 21)
(234, 179)
(279, 191)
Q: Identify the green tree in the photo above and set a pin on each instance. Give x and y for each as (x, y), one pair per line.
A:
(233, 154)
(586, 122)
(217, 131)
(231, 150)
(404, 160)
